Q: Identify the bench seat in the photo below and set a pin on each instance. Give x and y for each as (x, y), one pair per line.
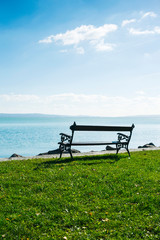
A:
(90, 143)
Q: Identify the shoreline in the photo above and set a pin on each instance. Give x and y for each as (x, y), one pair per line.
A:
(91, 153)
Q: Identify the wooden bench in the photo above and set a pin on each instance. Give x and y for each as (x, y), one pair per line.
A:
(122, 142)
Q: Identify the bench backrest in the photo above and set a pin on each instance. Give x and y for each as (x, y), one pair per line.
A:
(75, 127)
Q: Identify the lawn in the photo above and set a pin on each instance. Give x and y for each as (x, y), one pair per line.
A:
(90, 198)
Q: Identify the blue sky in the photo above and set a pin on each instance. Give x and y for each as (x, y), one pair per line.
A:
(83, 57)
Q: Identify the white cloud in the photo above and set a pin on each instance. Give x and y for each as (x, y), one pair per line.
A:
(139, 32)
(149, 14)
(147, 55)
(84, 33)
(81, 104)
(47, 40)
(126, 22)
(80, 50)
(141, 92)
(64, 51)
(101, 46)
(155, 30)
(19, 98)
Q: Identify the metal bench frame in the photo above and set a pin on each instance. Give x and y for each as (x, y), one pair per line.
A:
(122, 142)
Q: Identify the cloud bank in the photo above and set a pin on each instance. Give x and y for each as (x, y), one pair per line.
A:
(80, 104)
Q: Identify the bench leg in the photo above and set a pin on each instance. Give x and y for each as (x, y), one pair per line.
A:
(126, 147)
(70, 151)
(117, 150)
(64, 148)
(61, 148)
(128, 151)
(122, 146)
(60, 154)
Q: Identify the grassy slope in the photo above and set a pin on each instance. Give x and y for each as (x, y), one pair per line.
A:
(100, 197)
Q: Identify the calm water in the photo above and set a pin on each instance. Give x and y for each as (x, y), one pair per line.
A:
(29, 135)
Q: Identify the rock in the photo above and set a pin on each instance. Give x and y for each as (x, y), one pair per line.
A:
(110, 148)
(75, 151)
(148, 145)
(15, 155)
(57, 151)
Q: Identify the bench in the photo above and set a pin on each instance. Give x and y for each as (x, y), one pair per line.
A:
(123, 140)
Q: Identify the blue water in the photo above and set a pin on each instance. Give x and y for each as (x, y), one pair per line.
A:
(29, 135)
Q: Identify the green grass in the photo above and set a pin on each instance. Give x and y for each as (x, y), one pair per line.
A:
(96, 197)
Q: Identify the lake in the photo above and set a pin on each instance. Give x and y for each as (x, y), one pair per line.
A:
(31, 134)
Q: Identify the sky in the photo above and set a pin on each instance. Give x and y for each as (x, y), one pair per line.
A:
(80, 57)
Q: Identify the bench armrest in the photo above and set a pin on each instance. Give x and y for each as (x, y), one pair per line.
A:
(64, 134)
(122, 136)
(65, 137)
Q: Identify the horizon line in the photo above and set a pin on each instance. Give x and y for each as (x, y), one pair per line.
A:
(61, 115)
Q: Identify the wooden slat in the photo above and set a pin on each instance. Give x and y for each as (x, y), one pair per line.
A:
(100, 128)
(90, 143)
